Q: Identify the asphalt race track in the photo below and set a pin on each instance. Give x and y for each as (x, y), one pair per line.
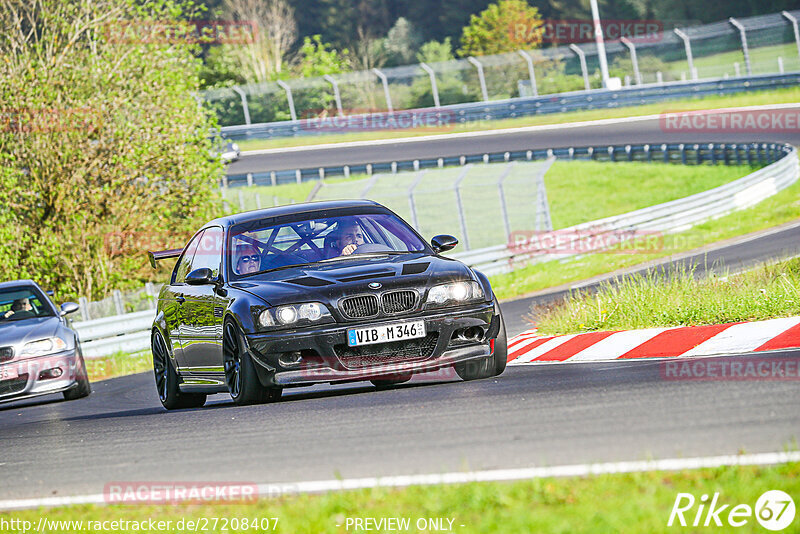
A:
(639, 131)
(529, 416)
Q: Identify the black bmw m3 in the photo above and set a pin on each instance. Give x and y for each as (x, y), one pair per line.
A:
(313, 293)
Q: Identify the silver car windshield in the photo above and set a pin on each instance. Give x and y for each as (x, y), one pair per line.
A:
(20, 303)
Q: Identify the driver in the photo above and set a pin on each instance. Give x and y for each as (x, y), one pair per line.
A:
(21, 307)
(248, 259)
(350, 237)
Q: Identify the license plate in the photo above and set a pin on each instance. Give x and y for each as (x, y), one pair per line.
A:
(385, 333)
(8, 373)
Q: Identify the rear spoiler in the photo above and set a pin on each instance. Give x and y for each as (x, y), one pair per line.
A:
(162, 255)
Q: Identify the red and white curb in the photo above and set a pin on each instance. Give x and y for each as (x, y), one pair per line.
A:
(682, 341)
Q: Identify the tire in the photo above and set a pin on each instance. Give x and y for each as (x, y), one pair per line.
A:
(167, 379)
(240, 372)
(492, 365)
(82, 388)
(500, 353)
(387, 382)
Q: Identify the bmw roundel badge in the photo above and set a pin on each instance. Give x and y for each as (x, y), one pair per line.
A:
(375, 285)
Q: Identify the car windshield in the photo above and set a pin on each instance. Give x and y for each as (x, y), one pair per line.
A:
(257, 248)
(20, 303)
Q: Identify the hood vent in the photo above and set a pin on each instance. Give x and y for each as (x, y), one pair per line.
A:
(309, 281)
(368, 276)
(415, 268)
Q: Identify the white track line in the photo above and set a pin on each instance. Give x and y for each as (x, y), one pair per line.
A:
(505, 131)
(495, 475)
(547, 346)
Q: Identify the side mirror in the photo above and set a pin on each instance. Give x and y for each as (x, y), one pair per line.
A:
(68, 307)
(199, 277)
(443, 243)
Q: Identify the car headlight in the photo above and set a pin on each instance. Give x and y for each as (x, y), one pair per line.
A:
(454, 293)
(293, 314)
(44, 346)
(235, 147)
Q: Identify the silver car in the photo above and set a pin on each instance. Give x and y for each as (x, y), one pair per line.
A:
(39, 352)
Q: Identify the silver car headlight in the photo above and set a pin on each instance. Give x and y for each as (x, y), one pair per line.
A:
(454, 294)
(42, 347)
(294, 314)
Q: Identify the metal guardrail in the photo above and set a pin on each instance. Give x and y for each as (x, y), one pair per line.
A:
(673, 216)
(518, 107)
(131, 332)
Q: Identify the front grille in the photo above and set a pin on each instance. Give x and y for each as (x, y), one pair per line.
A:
(15, 385)
(359, 307)
(6, 354)
(399, 301)
(387, 353)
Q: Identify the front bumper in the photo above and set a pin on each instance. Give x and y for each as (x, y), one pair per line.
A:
(26, 381)
(326, 356)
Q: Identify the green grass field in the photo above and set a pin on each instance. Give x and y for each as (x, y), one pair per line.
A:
(636, 502)
(119, 364)
(781, 208)
(573, 190)
(777, 96)
(769, 291)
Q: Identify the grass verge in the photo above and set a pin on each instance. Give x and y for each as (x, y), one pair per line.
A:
(781, 208)
(573, 189)
(644, 301)
(119, 364)
(636, 502)
(777, 96)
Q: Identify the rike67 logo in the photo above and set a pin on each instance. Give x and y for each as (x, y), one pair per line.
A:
(774, 510)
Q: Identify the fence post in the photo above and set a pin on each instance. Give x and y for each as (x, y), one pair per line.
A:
(84, 304)
(245, 107)
(258, 201)
(434, 89)
(746, 51)
(273, 179)
(793, 20)
(481, 77)
(385, 84)
(665, 152)
(543, 221)
(289, 98)
(298, 176)
(637, 76)
(582, 57)
(459, 205)
(503, 207)
(412, 205)
(531, 73)
(241, 200)
(116, 296)
(687, 44)
(336, 95)
(780, 65)
(249, 179)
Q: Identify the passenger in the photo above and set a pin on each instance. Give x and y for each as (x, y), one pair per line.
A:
(248, 259)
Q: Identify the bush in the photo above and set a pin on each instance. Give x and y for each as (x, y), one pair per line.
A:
(105, 139)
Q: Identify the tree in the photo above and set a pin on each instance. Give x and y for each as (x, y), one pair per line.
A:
(104, 152)
(402, 42)
(264, 58)
(502, 27)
